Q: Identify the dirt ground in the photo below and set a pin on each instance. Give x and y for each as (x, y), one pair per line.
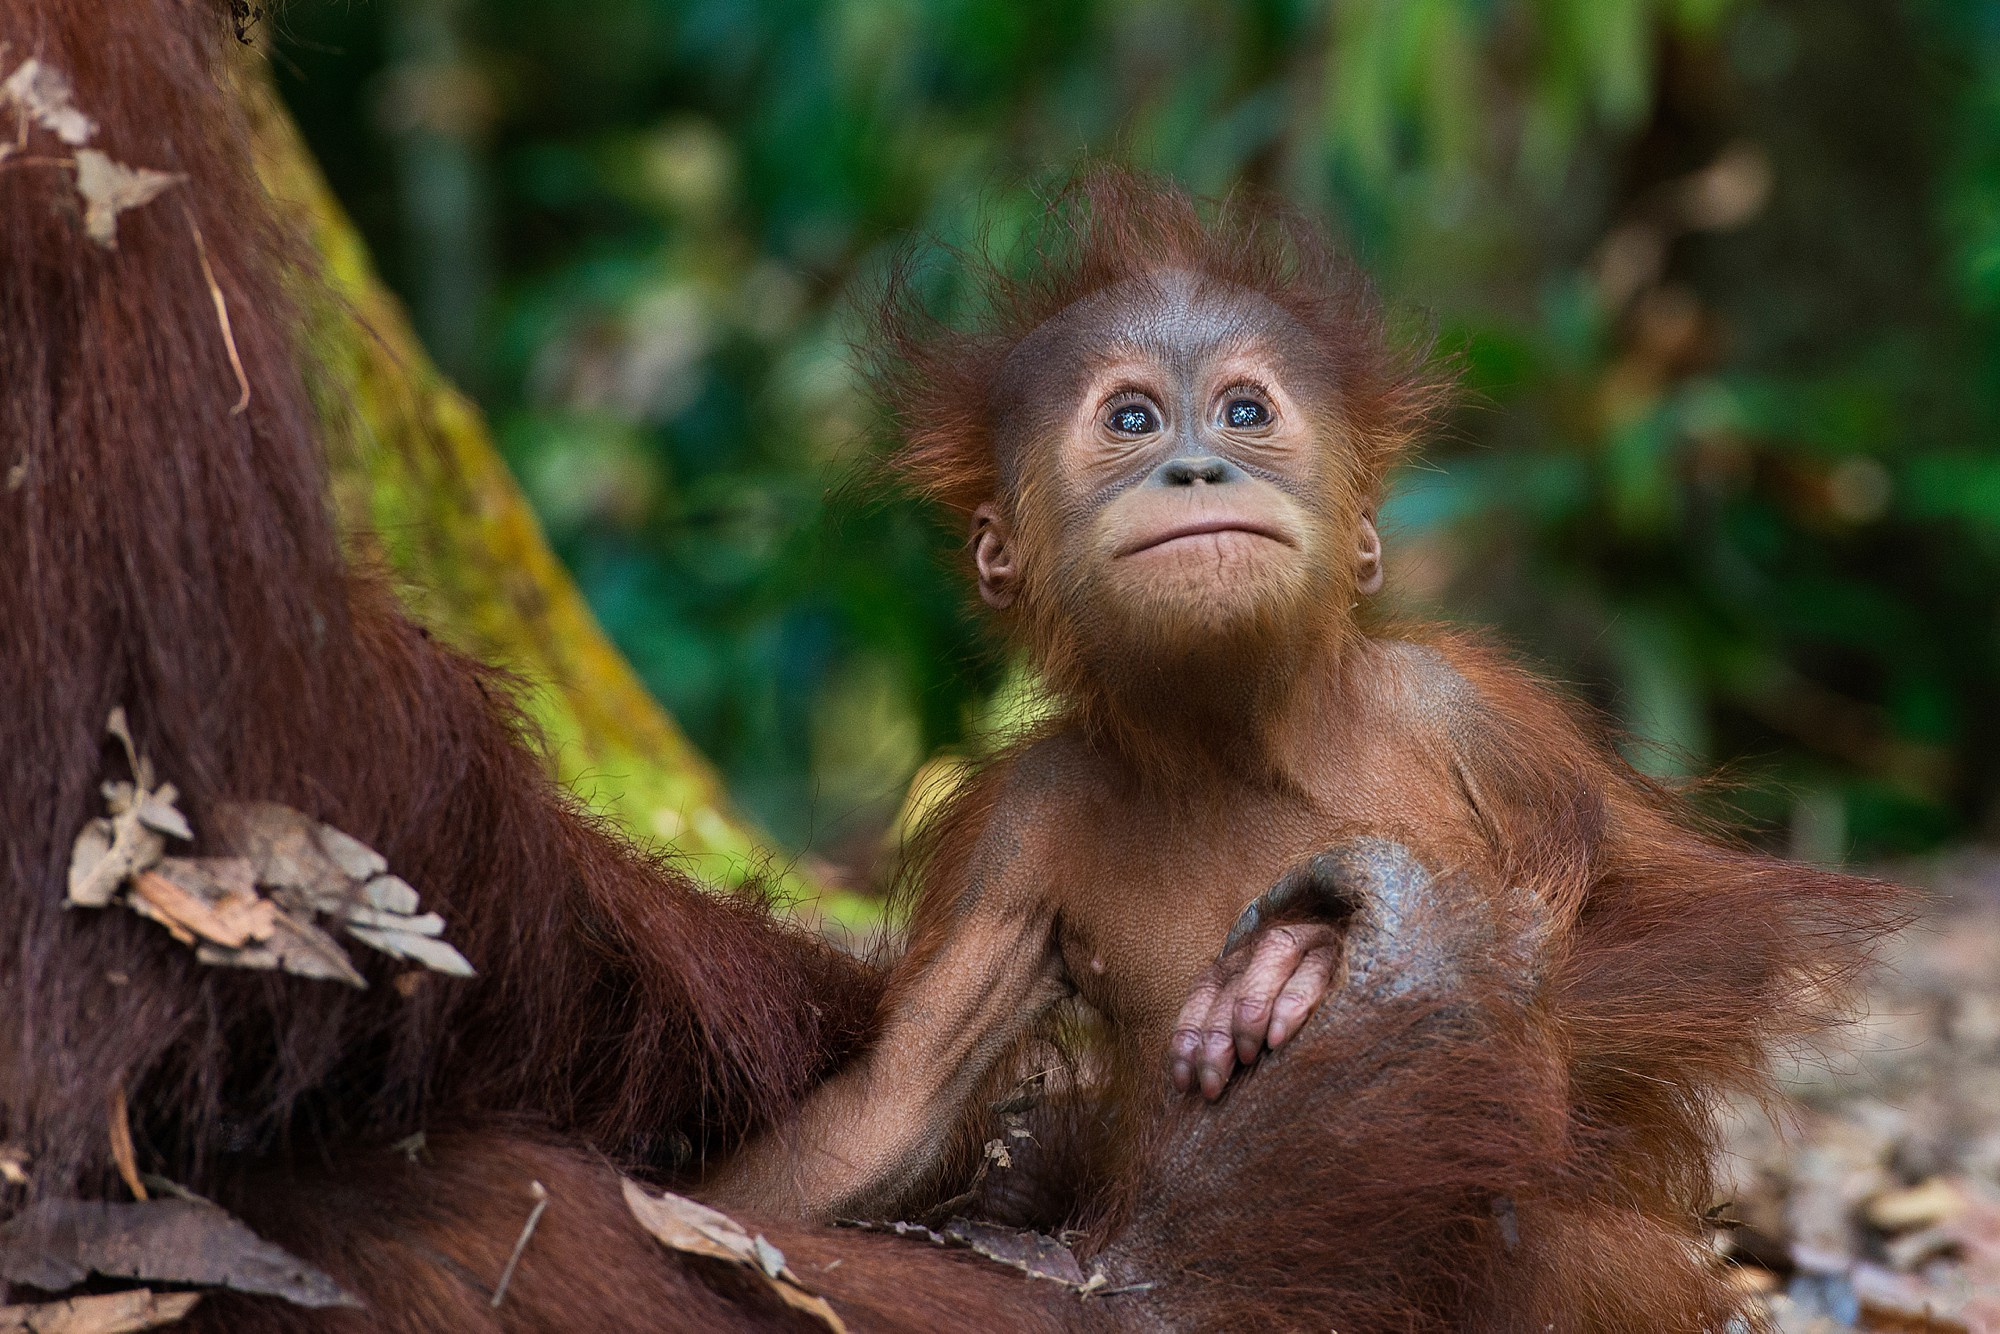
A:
(1878, 1207)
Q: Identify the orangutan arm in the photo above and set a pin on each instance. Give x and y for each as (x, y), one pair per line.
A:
(982, 967)
(1282, 954)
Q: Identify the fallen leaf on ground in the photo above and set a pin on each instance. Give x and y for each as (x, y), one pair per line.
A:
(56, 1244)
(1874, 1203)
(43, 94)
(110, 1313)
(14, 1162)
(1924, 1205)
(692, 1228)
(110, 188)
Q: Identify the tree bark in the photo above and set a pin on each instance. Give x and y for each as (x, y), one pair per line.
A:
(418, 485)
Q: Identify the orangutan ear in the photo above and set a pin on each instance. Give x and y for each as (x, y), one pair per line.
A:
(993, 554)
(1368, 559)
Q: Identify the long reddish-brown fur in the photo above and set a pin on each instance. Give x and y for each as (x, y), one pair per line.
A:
(1105, 227)
(165, 553)
(168, 554)
(1670, 961)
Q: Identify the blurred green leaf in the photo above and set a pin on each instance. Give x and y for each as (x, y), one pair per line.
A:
(1721, 464)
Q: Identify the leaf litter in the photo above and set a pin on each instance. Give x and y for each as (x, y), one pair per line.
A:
(55, 1245)
(109, 188)
(1878, 1206)
(1033, 1253)
(692, 1228)
(259, 904)
(109, 1313)
(42, 93)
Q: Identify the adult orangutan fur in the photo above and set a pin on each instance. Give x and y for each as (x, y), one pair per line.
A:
(1426, 1154)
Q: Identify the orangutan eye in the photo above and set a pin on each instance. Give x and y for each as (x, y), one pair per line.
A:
(1244, 413)
(1134, 419)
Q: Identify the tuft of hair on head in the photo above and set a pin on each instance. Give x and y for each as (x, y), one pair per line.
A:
(934, 377)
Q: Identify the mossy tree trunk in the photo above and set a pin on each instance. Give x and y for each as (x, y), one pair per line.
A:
(418, 483)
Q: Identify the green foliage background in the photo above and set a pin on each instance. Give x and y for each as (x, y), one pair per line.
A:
(1723, 277)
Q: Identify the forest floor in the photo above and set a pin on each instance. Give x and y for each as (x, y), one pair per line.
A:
(1878, 1208)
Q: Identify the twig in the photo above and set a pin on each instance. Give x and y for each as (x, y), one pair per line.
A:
(541, 1194)
(1127, 1290)
(221, 315)
(121, 1144)
(175, 1189)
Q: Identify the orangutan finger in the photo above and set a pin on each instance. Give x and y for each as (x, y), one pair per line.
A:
(1185, 1043)
(1218, 1052)
(1274, 960)
(1302, 995)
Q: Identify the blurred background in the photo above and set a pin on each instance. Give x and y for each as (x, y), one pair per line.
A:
(1723, 277)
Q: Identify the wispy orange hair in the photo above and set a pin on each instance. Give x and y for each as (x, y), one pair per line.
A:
(1108, 225)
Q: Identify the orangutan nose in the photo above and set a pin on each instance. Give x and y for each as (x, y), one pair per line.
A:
(1188, 471)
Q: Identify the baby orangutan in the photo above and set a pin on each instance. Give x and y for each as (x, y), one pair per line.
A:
(1169, 445)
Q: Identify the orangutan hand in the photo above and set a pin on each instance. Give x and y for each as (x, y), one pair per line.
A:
(1258, 994)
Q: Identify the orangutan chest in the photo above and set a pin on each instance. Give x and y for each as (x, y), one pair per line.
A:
(1146, 905)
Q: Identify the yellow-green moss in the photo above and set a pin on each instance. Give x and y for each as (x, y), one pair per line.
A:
(418, 485)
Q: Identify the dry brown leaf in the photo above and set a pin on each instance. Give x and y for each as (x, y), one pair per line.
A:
(1925, 1205)
(295, 946)
(111, 850)
(110, 188)
(283, 845)
(107, 853)
(156, 810)
(313, 867)
(692, 1228)
(43, 94)
(1032, 1253)
(116, 724)
(421, 924)
(212, 897)
(213, 903)
(110, 1313)
(56, 1244)
(356, 860)
(427, 950)
(390, 893)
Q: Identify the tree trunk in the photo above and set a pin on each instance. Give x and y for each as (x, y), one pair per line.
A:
(418, 485)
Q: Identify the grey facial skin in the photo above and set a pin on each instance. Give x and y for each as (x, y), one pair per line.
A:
(1187, 354)
(1178, 322)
